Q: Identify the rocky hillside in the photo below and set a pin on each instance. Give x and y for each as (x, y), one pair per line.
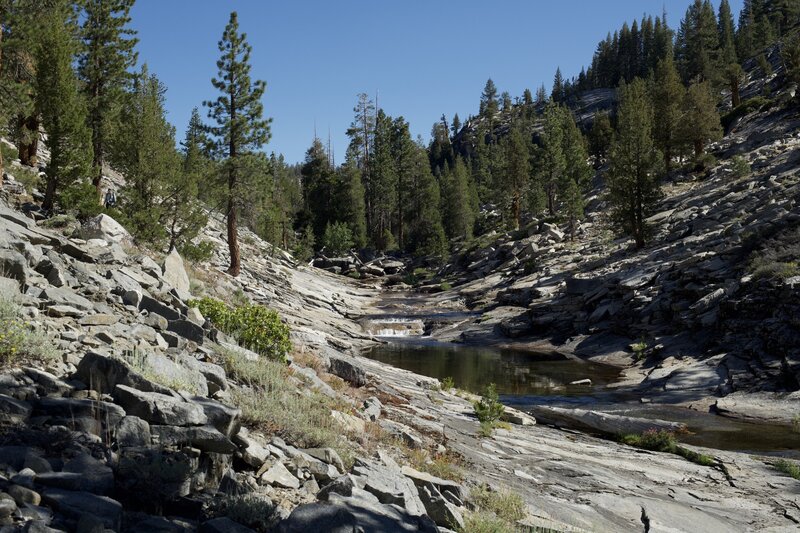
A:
(707, 308)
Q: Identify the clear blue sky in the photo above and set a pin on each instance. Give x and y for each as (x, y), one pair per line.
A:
(423, 58)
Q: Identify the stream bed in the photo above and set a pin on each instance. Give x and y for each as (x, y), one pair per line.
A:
(526, 379)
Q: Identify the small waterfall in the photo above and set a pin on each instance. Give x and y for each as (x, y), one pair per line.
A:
(395, 327)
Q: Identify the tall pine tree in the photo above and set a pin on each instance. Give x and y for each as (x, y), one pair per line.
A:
(107, 55)
(667, 96)
(59, 102)
(632, 180)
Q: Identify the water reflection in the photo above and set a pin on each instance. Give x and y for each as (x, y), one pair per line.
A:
(514, 372)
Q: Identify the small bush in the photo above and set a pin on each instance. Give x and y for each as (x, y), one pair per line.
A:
(505, 504)
(639, 350)
(704, 162)
(18, 342)
(488, 409)
(197, 253)
(271, 402)
(740, 168)
(445, 286)
(253, 511)
(763, 269)
(27, 176)
(81, 199)
(448, 383)
(664, 441)
(482, 522)
(9, 152)
(789, 468)
(254, 326)
(338, 239)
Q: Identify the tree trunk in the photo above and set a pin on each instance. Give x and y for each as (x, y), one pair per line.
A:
(97, 146)
(28, 148)
(736, 98)
(233, 241)
(668, 159)
(50, 193)
(515, 204)
(2, 173)
(698, 147)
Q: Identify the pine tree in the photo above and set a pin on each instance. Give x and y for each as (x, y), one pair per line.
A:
(455, 125)
(144, 151)
(558, 94)
(553, 161)
(425, 230)
(541, 96)
(361, 133)
(575, 180)
(700, 122)
(351, 202)
(319, 188)
(600, 137)
(184, 214)
(59, 102)
(240, 126)
(382, 192)
(632, 179)
(276, 221)
(489, 105)
(697, 43)
(108, 54)
(667, 97)
(727, 34)
(458, 210)
(516, 175)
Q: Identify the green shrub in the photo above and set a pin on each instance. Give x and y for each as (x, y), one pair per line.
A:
(445, 286)
(9, 152)
(18, 342)
(789, 468)
(639, 349)
(664, 441)
(448, 383)
(338, 239)
(254, 326)
(81, 199)
(272, 402)
(197, 253)
(505, 504)
(764, 268)
(27, 176)
(489, 409)
(740, 168)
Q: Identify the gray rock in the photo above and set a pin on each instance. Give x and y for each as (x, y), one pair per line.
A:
(154, 306)
(14, 265)
(75, 504)
(156, 321)
(7, 505)
(188, 330)
(174, 271)
(13, 411)
(205, 438)
(24, 496)
(223, 417)
(348, 371)
(10, 287)
(102, 227)
(326, 455)
(372, 408)
(132, 431)
(279, 476)
(388, 485)
(439, 509)
(83, 473)
(62, 296)
(99, 319)
(157, 408)
(67, 408)
(422, 479)
(60, 311)
(102, 373)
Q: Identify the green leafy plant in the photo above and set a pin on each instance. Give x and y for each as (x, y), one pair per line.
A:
(18, 342)
(789, 468)
(251, 510)
(488, 409)
(639, 350)
(254, 326)
(448, 383)
(740, 168)
(338, 239)
(197, 253)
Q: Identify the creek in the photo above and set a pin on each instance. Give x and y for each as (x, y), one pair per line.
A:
(525, 380)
